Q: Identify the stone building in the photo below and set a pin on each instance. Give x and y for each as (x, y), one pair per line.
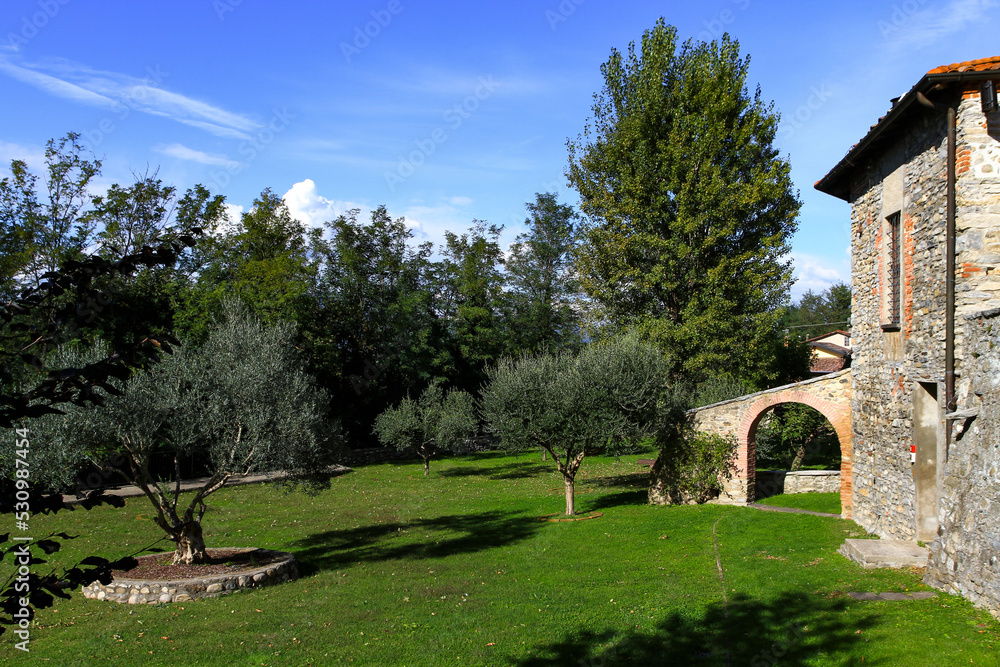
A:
(924, 188)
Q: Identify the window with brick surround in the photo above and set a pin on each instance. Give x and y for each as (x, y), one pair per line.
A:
(893, 300)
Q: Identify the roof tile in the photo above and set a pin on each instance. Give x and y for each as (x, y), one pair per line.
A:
(981, 65)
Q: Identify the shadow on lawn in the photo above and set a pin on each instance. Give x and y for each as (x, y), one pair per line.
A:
(395, 541)
(791, 629)
(632, 490)
(518, 470)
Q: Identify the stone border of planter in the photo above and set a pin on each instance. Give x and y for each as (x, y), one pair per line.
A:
(135, 591)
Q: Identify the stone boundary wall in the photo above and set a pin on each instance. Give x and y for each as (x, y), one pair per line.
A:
(774, 482)
(965, 559)
(135, 591)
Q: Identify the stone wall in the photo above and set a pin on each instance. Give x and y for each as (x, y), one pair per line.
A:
(889, 366)
(773, 482)
(965, 559)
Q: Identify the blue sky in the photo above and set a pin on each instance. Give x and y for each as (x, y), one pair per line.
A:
(445, 112)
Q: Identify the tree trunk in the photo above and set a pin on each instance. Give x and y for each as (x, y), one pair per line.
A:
(570, 506)
(190, 544)
(427, 466)
(544, 454)
(800, 455)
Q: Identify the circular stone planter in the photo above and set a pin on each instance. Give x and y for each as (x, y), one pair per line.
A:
(136, 591)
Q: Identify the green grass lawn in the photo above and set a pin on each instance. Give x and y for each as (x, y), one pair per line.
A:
(814, 502)
(456, 569)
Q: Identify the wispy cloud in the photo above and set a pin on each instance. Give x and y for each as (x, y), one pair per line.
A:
(182, 152)
(54, 85)
(113, 90)
(916, 29)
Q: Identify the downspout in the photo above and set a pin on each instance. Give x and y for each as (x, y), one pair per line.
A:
(949, 316)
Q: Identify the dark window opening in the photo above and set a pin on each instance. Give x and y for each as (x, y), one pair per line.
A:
(894, 296)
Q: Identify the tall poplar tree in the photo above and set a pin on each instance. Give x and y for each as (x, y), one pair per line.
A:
(542, 285)
(691, 206)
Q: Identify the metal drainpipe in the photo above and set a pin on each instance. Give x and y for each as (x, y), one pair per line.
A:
(949, 315)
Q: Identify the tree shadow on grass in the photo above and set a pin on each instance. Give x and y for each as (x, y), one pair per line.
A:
(423, 538)
(790, 629)
(636, 497)
(632, 490)
(518, 470)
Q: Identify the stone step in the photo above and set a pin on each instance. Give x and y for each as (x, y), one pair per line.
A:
(871, 554)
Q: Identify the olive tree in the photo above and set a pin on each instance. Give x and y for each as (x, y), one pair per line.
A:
(603, 399)
(436, 420)
(241, 400)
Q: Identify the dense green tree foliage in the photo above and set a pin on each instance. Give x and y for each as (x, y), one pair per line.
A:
(817, 314)
(692, 206)
(437, 420)
(38, 235)
(261, 260)
(370, 329)
(545, 313)
(474, 303)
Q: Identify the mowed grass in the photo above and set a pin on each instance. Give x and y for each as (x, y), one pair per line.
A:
(456, 569)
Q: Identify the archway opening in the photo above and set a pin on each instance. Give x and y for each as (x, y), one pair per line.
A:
(796, 451)
(795, 436)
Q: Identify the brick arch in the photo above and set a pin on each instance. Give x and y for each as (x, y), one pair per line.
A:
(838, 415)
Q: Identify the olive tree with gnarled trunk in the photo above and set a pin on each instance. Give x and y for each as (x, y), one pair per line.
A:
(241, 400)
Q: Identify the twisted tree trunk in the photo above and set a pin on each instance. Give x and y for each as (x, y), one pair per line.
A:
(190, 544)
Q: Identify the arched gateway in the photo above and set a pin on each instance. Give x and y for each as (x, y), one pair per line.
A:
(830, 395)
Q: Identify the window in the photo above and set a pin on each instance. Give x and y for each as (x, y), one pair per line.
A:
(892, 293)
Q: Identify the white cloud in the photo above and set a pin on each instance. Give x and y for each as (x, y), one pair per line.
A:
(426, 222)
(307, 206)
(234, 213)
(182, 152)
(815, 274)
(124, 93)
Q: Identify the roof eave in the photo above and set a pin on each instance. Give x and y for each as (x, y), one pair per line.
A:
(835, 183)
